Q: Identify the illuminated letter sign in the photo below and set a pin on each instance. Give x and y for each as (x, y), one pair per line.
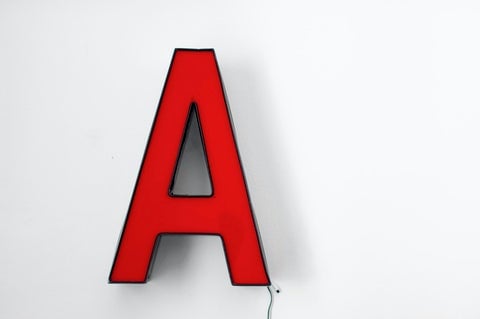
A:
(193, 84)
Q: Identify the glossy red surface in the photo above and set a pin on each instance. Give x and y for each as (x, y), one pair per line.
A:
(194, 77)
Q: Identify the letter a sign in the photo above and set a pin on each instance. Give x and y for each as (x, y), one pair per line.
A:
(193, 85)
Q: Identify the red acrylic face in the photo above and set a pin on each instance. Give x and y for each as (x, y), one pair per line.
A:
(193, 81)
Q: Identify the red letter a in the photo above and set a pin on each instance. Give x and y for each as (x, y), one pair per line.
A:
(193, 79)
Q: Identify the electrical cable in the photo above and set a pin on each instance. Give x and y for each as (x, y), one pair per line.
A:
(270, 305)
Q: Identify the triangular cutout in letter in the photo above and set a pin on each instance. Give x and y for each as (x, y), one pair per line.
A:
(192, 176)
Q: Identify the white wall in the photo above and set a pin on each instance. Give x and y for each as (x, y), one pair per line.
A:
(358, 126)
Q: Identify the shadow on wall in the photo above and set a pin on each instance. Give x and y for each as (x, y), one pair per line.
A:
(271, 189)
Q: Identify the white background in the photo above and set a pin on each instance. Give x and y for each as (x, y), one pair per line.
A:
(358, 123)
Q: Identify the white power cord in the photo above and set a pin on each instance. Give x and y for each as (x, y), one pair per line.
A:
(271, 290)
